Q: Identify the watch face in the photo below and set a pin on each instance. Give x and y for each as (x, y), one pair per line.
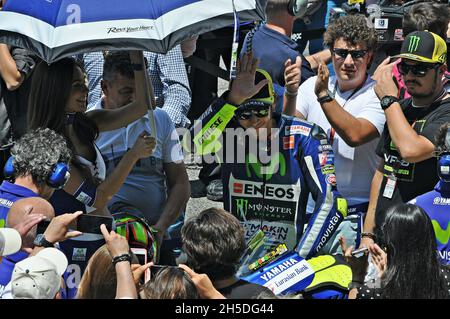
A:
(387, 101)
(41, 241)
(38, 239)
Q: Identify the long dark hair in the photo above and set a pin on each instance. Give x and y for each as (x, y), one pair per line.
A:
(413, 268)
(171, 283)
(50, 90)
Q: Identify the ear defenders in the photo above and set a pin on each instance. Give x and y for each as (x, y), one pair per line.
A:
(443, 163)
(443, 166)
(297, 8)
(56, 179)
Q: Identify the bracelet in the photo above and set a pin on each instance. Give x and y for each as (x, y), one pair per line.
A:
(120, 258)
(293, 94)
(137, 66)
(370, 235)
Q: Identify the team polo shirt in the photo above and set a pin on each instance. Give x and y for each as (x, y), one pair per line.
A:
(9, 194)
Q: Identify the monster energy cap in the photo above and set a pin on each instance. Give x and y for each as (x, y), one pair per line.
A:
(424, 46)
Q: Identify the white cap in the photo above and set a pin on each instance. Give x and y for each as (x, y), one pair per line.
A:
(39, 276)
(10, 241)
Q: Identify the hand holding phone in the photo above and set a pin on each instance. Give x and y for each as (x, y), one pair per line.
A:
(358, 253)
(88, 223)
(141, 255)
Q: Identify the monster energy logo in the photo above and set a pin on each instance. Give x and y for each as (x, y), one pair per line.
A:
(242, 207)
(277, 164)
(413, 43)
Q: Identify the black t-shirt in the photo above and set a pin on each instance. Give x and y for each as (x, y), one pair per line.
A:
(413, 179)
(244, 290)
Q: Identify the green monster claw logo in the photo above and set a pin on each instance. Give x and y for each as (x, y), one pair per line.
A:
(242, 207)
(413, 43)
(442, 235)
(277, 164)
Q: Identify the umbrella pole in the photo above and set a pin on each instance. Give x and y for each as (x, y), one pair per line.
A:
(151, 102)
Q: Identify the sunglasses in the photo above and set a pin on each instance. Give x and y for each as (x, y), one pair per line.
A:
(247, 114)
(416, 69)
(356, 54)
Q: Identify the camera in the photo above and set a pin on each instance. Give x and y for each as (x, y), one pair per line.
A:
(385, 17)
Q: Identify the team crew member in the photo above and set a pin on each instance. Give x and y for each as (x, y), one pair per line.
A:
(38, 166)
(407, 144)
(436, 203)
(273, 197)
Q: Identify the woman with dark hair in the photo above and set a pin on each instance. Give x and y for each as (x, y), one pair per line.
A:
(406, 258)
(58, 101)
(171, 283)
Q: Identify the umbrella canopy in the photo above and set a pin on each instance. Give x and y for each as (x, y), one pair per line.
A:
(54, 29)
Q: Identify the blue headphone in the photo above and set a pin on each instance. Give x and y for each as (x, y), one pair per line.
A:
(56, 179)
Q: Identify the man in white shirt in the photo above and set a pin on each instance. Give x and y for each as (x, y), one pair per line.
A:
(158, 186)
(347, 108)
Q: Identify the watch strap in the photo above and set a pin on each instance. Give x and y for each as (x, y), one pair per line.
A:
(42, 242)
(387, 101)
(325, 99)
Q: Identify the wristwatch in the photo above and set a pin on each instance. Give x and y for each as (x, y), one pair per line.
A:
(387, 101)
(326, 98)
(40, 241)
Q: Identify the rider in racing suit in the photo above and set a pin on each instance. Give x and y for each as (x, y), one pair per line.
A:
(272, 197)
(436, 202)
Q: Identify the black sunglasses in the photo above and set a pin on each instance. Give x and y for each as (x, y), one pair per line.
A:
(247, 114)
(356, 54)
(416, 69)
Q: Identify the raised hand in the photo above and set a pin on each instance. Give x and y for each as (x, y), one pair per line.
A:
(385, 83)
(204, 286)
(58, 229)
(144, 145)
(292, 75)
(323, 74)
(116, 244)
(243, 87)
(379, 259)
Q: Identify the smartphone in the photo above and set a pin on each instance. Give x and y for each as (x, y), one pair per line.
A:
(141, 255)
(42, 226)
(88, 223)
(359, 252)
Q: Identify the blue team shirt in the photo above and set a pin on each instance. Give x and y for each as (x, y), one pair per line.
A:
(9, 194)
(437, 205)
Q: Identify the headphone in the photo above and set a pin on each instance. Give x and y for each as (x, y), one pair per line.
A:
(56, 179)
(443, 164)
(297, 8)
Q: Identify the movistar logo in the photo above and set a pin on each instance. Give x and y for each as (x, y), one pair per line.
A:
(442, 235)
(242, 207)
(277, 164)
(413, 43)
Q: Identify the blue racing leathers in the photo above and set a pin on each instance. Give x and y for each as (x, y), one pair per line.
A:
(271, 193)
(437, 206)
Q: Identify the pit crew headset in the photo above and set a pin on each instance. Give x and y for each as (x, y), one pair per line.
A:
(443, 165)
(57, 178)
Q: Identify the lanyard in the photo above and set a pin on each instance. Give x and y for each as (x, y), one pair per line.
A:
(332, 130)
